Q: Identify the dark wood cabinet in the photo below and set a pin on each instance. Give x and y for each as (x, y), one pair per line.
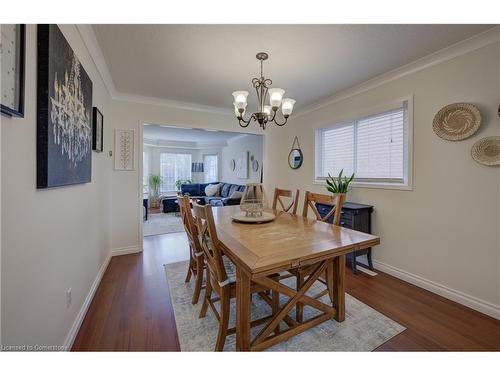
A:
(354, 216)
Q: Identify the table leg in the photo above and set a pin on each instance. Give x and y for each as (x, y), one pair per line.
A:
(339, 287)
(330, 281)
(243, 302)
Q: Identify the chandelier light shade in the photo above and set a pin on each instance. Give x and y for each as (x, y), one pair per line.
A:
(240, 99)
(265, 113)
(287, 106)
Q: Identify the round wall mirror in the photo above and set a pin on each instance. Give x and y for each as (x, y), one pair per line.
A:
(295, 158)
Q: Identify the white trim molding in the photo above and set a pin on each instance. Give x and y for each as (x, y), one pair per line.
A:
(480, 40)
(90, 40)
(73, 332)
(474, 303)
(463, 47)
(150, 100)
(126, 250)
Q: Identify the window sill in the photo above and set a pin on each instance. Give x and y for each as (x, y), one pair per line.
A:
(374, 185)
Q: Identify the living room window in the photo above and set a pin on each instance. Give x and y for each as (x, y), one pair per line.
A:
(374, 148)
(174, 167)
(210, 168)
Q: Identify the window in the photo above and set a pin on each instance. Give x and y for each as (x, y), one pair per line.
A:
(145, 171)
(374, 148)
(210, 168)
(174, 167)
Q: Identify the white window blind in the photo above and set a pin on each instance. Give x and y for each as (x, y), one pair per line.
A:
(372, 147)
(210, 168)
(337, 149)
(174, 167)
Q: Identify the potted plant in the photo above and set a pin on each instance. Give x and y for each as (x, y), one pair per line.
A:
(154, 190)
(340, 184)
(178, 183)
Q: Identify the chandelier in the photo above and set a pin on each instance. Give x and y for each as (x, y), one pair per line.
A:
(266, 113)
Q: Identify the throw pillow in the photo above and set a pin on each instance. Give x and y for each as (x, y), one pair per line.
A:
(212, 190)
(236, 195)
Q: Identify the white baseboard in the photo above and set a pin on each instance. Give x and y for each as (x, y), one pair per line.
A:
(478, 304)
(125, 250)
(70, 338)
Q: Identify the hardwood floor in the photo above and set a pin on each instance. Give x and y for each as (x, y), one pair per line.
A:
(131, 309)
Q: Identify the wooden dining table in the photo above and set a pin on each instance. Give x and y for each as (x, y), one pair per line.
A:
(260, 251)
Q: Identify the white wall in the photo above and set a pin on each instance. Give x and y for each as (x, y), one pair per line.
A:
(126, 209)
(445, 231)
(0, 231)
(52, 239)
(254, 145)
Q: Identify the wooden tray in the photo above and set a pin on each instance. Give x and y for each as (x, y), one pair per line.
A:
(242, 218)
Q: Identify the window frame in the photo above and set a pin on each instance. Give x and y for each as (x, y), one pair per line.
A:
(407, 183)
(217, 166)
(175, 177)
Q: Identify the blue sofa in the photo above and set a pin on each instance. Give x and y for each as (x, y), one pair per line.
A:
(225, 191)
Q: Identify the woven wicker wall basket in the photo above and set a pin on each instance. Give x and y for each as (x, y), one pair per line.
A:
(457, 121)
(487, 151)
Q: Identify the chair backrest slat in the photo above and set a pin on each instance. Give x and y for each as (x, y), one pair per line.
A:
(189, 225)
(209, 241)
(294, 196)
(335, 200)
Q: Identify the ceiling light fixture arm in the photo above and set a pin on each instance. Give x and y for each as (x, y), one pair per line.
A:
(273, 119)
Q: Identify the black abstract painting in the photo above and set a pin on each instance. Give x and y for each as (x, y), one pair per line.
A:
(64, 113)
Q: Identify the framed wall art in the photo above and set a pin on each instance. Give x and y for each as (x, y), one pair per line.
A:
(12, 63)
(97, 130)
(64, 113)
(124, 149)
(242, 165)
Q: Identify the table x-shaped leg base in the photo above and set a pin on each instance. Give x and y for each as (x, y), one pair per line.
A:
(270, 335)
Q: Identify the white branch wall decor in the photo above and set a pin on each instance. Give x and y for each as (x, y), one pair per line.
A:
(124, 150)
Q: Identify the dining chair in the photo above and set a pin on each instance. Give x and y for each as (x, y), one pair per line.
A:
(221, 278)
(294, 196)
(196, 262)
(336, 201)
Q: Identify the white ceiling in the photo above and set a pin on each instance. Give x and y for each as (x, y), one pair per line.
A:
(203, 64)
(191, 138)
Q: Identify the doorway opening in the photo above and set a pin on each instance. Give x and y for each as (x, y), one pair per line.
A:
(212, 166)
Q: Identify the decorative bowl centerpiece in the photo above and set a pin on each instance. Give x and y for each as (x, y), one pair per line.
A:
(254, 200)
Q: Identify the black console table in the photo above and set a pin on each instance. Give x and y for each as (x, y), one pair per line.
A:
(145, 203)
(354, 216)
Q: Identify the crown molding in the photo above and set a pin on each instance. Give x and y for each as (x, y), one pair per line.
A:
(460, 48)
(463, 47)
(239, 136)
(90, 40)
(153, 142)
(172, 104)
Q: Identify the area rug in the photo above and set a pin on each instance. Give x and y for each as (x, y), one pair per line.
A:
(364, 328)
(162, 224)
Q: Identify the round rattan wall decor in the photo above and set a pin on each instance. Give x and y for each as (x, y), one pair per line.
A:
(456, 121)
(487, 151)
